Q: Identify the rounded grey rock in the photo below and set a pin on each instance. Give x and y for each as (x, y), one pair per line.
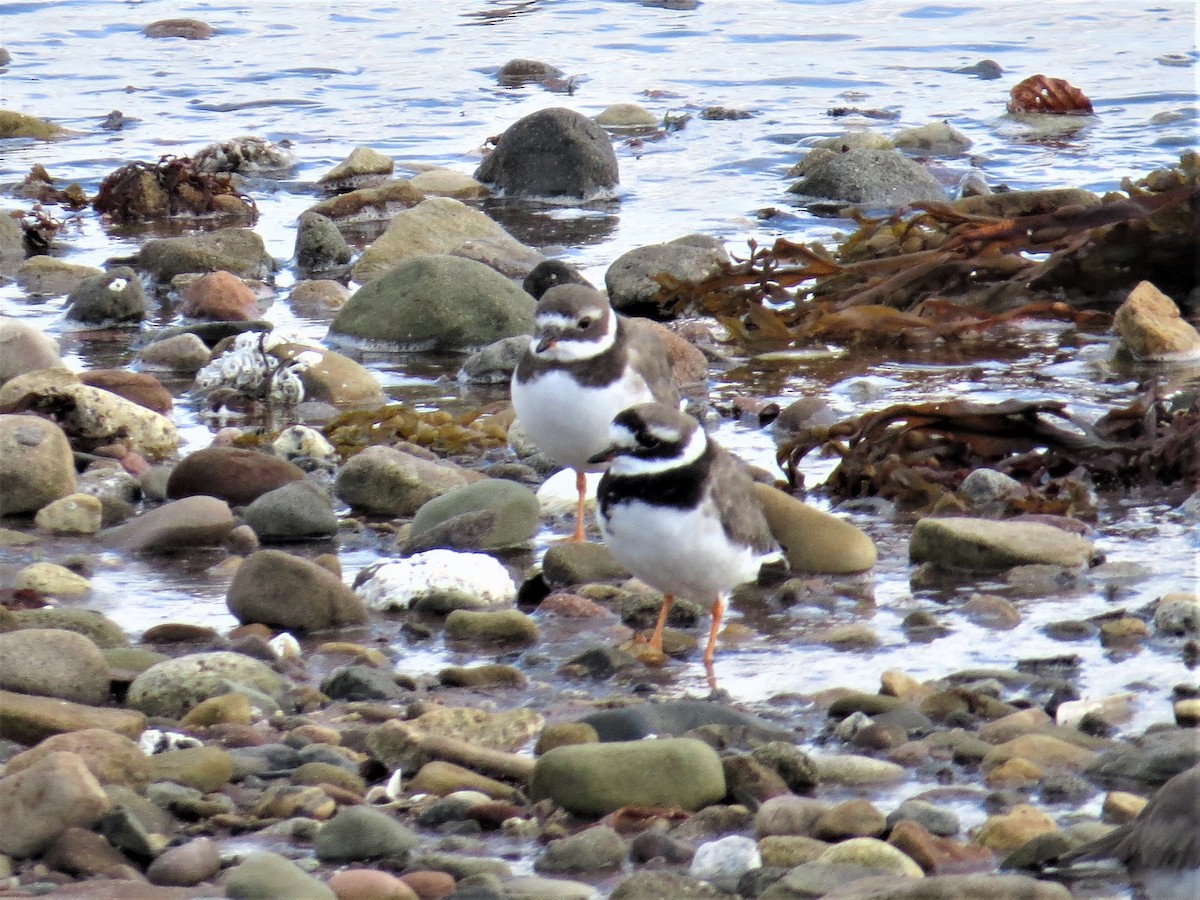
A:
(550, 153)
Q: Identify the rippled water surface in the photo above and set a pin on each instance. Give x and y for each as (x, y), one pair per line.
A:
(416, 81)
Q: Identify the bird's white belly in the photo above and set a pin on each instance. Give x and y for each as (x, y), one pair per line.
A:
(681, 552)
(568, 422)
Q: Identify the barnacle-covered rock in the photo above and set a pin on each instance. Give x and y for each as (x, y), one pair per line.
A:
(281, 368)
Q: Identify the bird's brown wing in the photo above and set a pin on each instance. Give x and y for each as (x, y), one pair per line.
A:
(649, 354)
(738, 504)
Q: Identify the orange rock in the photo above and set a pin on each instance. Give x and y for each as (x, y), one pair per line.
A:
(370, 884)
(220, 296)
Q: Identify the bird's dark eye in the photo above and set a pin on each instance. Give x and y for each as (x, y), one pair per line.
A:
(649, 441)
(584, 324)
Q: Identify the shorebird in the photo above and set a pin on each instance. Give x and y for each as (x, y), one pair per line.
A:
(1160, 848)
(680, 512)
(584, 365)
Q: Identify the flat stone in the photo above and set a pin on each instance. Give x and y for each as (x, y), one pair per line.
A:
(596, 779)
(988, 545)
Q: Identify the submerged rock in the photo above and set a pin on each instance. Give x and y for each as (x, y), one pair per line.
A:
(554, 152)
(986, 545)
(435, 303)
(871, 178)
(438, 225)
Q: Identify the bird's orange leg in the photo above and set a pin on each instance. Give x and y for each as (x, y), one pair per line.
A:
(718, 611)
(656, 638)
(580, 506)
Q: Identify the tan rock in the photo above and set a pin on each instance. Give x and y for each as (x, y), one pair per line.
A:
(28, 719)
(41, 802)
(36, 465)
(1043, 750)
(72, 514)
(52, 580)
(1151, 329)
(1007, 832)
(1121, 807)
(112, 758)
(874, 854)
(815, 540)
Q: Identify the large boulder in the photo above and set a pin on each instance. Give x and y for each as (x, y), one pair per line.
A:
(192, 522)
(51, 662)
(24, 348)
(436, 225)
(596, 779)
(554, 152)
(293, 593)
(113, 298)
(36, 464)
(172, 687)
(872, 178)
(237, 250)
(435, 303)
(90, 416)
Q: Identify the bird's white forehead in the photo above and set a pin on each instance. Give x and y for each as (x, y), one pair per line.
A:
(554, 320)
(665, 433)
(622, 436)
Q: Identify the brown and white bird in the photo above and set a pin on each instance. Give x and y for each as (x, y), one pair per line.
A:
(1160, 848)
(680, 512)
(584, 365)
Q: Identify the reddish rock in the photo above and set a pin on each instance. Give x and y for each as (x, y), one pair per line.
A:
(370, 884)
(938, 855)
(430, 885)
(219, 296)
(139, 387)
(231, 474)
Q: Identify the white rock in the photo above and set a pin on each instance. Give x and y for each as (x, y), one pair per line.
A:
(558, 496)
(1115, 708)
(725, 860)
(477, 580)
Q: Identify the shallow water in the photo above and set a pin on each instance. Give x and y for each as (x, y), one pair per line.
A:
(415, 81)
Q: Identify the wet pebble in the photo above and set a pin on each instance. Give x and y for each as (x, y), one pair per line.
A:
(594, 849)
